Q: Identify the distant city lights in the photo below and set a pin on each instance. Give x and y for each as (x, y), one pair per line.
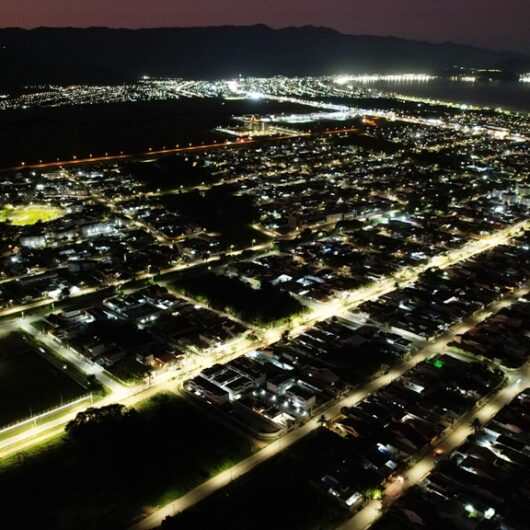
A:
(372, 78)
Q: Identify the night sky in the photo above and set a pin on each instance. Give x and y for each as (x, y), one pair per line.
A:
(498, 24)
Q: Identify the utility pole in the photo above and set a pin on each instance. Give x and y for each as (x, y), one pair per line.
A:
(34, 420)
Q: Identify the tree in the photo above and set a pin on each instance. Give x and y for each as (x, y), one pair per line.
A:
(375, 494)
(306, 235)
(323, 420)
(98, 425)
(476, 424)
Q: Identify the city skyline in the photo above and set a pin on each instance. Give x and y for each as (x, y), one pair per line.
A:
(485, 23)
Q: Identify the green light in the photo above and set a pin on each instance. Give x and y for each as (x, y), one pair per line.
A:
(437, 363)
(374, 493)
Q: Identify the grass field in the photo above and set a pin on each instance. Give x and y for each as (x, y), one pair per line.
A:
(29, 383)
(283, 493)
(120, 470)
(29, 215)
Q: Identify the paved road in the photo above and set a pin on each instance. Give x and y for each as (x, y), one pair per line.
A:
(221, 480)
(243, 142)
(55, 427)
(21, 309)
(320, 313)
(336, 307)
(128, 396)
(82, 363)
(373, 510)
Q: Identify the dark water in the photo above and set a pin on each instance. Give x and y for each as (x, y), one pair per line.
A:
(505, 94)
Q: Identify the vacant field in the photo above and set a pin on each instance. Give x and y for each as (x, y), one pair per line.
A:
(281, 494)
(265, 306)
(28, 382)
(29, 215)
(46, 134)
(117, 467)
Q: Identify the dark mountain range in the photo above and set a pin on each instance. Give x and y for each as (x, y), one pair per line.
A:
(68, 55)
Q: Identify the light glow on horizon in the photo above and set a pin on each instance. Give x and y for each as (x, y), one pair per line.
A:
(372, 78)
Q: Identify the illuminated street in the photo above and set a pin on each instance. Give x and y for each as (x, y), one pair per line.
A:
(364, 518)
(315, 278)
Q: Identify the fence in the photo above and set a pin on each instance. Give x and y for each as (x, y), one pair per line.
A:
(34, 417)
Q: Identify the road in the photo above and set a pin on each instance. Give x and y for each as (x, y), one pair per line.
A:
(131, 396)
(318, 314)
(119, 393)
(373, 509)
(55, 427)
(182, 267)
(171, 151)
(389, 115)
(82, 363)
